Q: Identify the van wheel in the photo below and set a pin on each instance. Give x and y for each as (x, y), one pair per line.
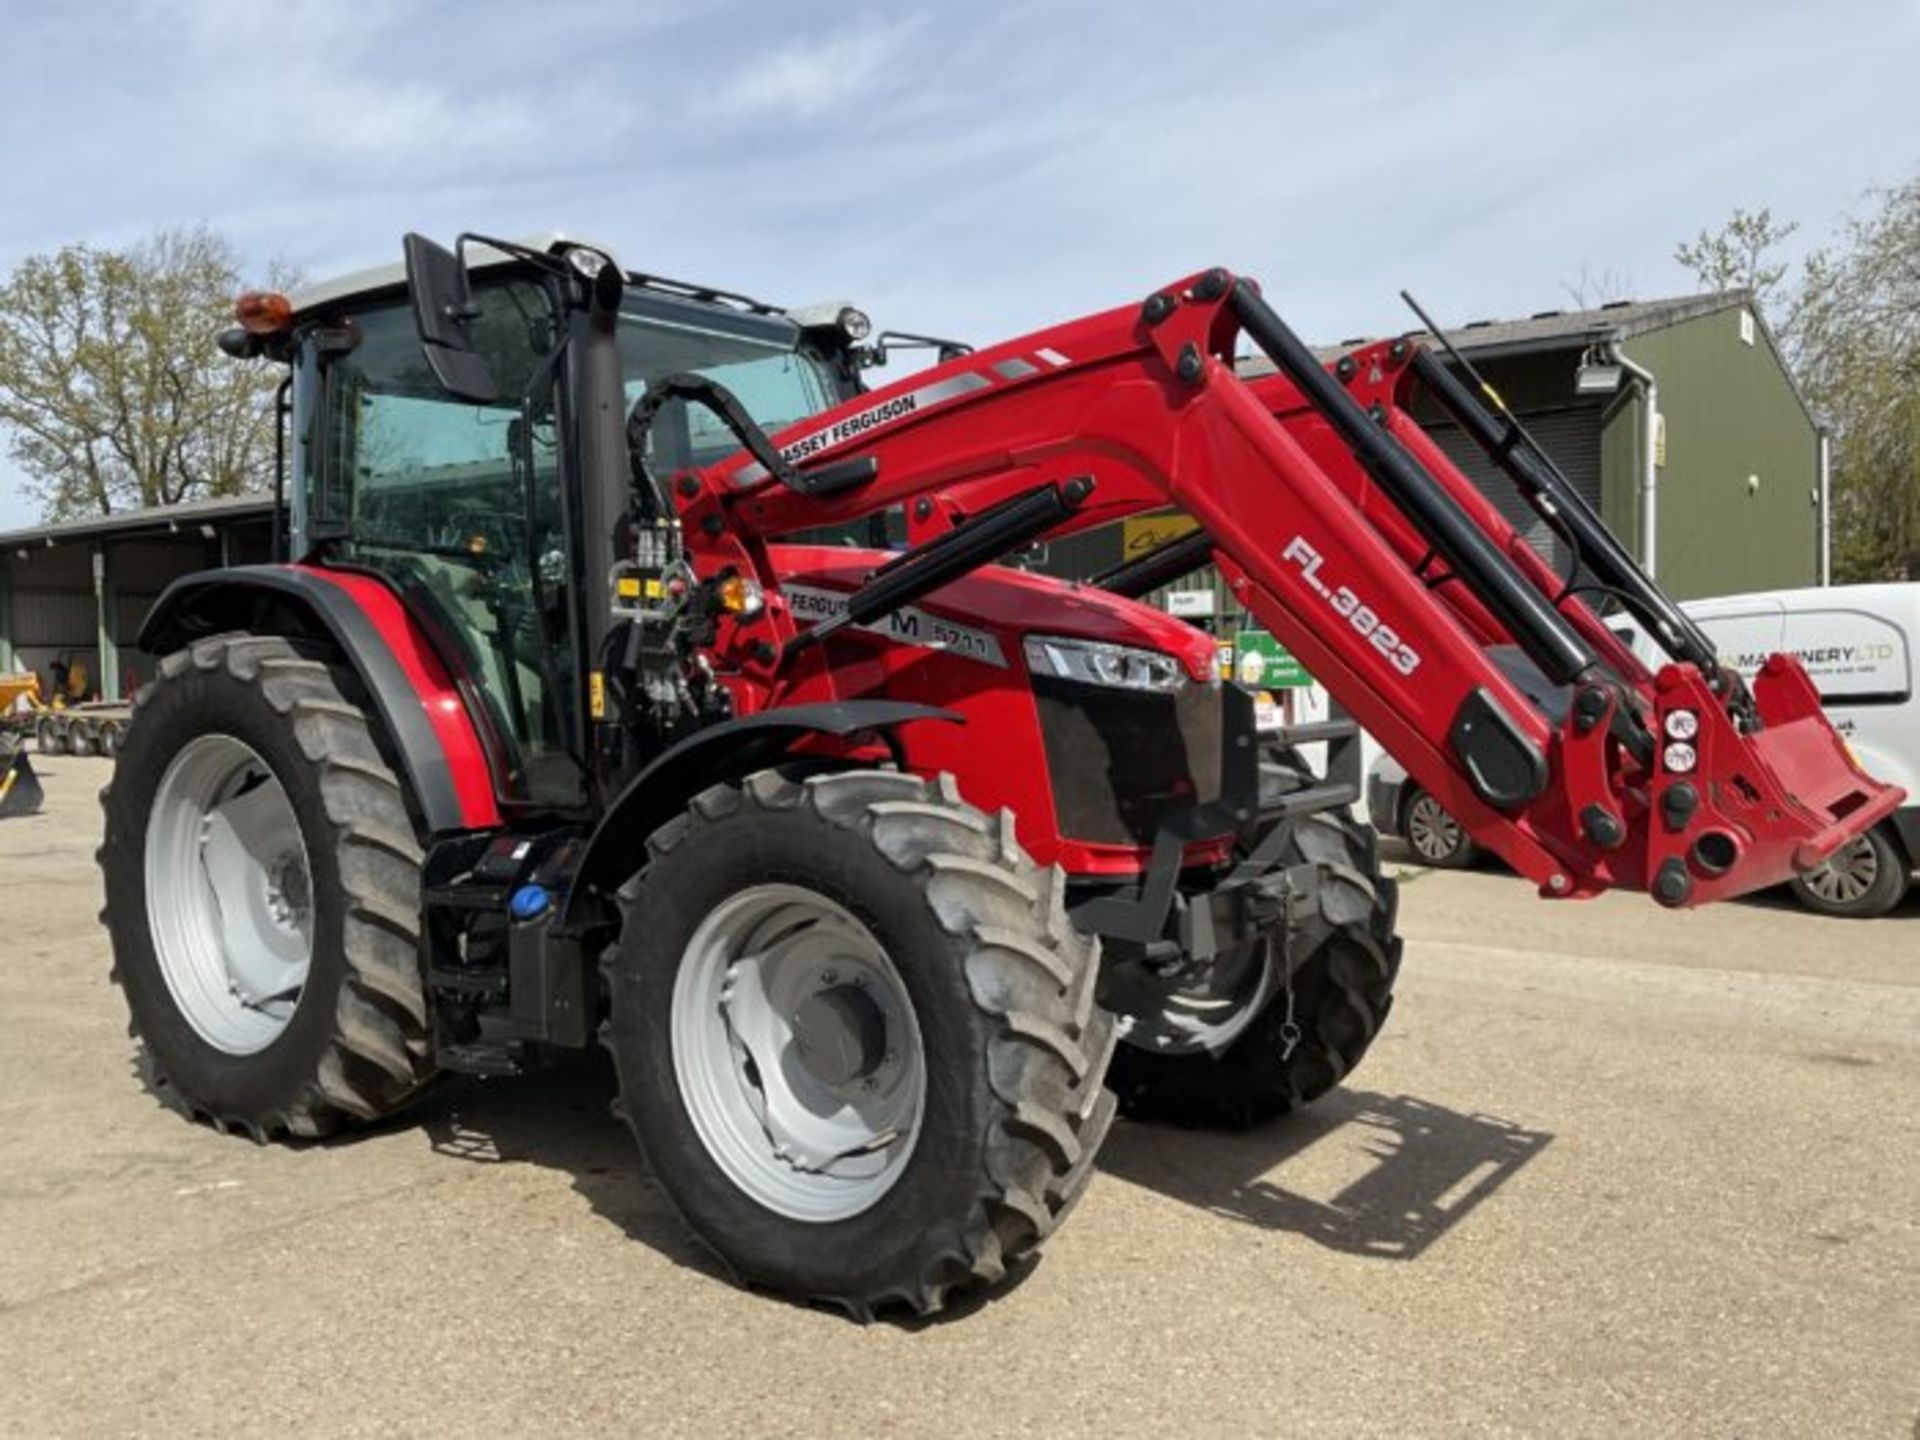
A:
(1436, 838)
(1866, 878)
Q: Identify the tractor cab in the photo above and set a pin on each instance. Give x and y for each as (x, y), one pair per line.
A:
(474, 488)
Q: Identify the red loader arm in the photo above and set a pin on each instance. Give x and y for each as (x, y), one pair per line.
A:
(1339, 524)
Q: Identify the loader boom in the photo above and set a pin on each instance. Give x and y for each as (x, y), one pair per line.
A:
(1343, 529)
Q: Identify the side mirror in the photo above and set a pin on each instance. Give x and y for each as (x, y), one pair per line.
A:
(443, 313)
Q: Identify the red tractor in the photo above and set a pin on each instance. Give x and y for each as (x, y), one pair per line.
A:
(884, 870)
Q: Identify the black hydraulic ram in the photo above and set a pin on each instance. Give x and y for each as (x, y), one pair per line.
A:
(1556, 501)
(963, 549)
(1162, 566)
(1539, 629)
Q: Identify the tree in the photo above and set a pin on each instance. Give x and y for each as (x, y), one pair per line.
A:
(1857, 352)
(111, 388)
(1593, 288)
(1743, 254)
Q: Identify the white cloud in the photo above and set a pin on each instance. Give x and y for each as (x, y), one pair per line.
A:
(811, 76)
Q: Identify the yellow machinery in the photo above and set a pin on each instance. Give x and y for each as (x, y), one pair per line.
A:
(20, 792)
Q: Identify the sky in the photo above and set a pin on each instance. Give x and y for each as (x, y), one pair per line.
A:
(979, 169)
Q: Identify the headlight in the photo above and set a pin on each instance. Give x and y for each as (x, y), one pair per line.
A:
(854, 324)
(588, 262)
(1679, 757)
(1094, 662)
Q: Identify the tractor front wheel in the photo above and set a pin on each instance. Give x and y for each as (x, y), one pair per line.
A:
(263, 895)
(1276, 1041)
(856, 1037)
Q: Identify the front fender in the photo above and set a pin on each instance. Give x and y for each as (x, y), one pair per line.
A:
(727, 751)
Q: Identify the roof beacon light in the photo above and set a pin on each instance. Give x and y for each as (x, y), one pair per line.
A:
(263, 312)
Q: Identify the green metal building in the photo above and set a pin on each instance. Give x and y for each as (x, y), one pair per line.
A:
(75, 591)
(1724, 495)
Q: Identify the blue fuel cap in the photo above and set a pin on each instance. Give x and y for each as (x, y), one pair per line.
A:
(529, 902)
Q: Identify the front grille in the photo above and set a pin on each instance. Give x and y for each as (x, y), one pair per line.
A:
(1123, 761)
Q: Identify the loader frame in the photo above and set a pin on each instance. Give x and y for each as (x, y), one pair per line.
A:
(1344, 530)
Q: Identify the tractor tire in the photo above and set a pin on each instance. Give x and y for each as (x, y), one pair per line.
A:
(46, 737)
(108, 739)
(250, 764)
(978, 990)
(1344, 958)
(81, 740)
(1865, 880)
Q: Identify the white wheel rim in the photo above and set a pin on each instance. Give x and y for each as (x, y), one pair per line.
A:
(229, 894)
(1203, 1012)
(798, 1056)
(1433, 833)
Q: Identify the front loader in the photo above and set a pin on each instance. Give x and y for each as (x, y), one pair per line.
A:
(885, 870)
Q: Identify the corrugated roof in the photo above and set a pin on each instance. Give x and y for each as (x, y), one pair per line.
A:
(144, 521)
(1621, 320)
(1556, 329)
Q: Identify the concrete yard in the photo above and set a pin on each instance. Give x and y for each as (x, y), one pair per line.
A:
(1610, 1170)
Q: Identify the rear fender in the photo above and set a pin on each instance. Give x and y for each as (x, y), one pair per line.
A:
(434, 739)
(728, 751)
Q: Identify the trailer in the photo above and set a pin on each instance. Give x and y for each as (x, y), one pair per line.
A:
(96, 727)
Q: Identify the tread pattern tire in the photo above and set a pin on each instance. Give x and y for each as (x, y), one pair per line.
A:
(1346, 958)
(358, 1046)
(1006, 1150)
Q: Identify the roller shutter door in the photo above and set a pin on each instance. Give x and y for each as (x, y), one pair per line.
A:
(1571, 437)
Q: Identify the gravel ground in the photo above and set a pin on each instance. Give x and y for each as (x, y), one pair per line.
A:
(1609, 1170)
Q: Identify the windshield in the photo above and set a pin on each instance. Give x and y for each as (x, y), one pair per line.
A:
(757, 357)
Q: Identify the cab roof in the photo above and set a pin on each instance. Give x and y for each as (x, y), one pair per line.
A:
(377, 278)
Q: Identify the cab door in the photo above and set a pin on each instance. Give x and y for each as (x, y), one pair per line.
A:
(459, 506)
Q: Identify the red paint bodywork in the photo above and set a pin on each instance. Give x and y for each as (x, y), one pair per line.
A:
(439, 696)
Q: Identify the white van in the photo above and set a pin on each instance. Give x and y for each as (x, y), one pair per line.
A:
(1857, 642)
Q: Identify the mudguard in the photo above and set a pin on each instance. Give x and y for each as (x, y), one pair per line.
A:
(727, 751)
(436, 742)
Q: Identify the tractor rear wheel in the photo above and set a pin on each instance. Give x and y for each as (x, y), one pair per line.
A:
(1296, 1041)
(856, 1037)
(263, 895)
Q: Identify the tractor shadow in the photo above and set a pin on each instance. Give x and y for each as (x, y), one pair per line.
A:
(557, 1117)
(1358, 1172)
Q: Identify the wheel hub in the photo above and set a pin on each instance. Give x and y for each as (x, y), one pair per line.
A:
(797, 1053)
(840, 1034)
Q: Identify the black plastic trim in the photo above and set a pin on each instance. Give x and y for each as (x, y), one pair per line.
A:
(1505, 768)
(729, 750)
